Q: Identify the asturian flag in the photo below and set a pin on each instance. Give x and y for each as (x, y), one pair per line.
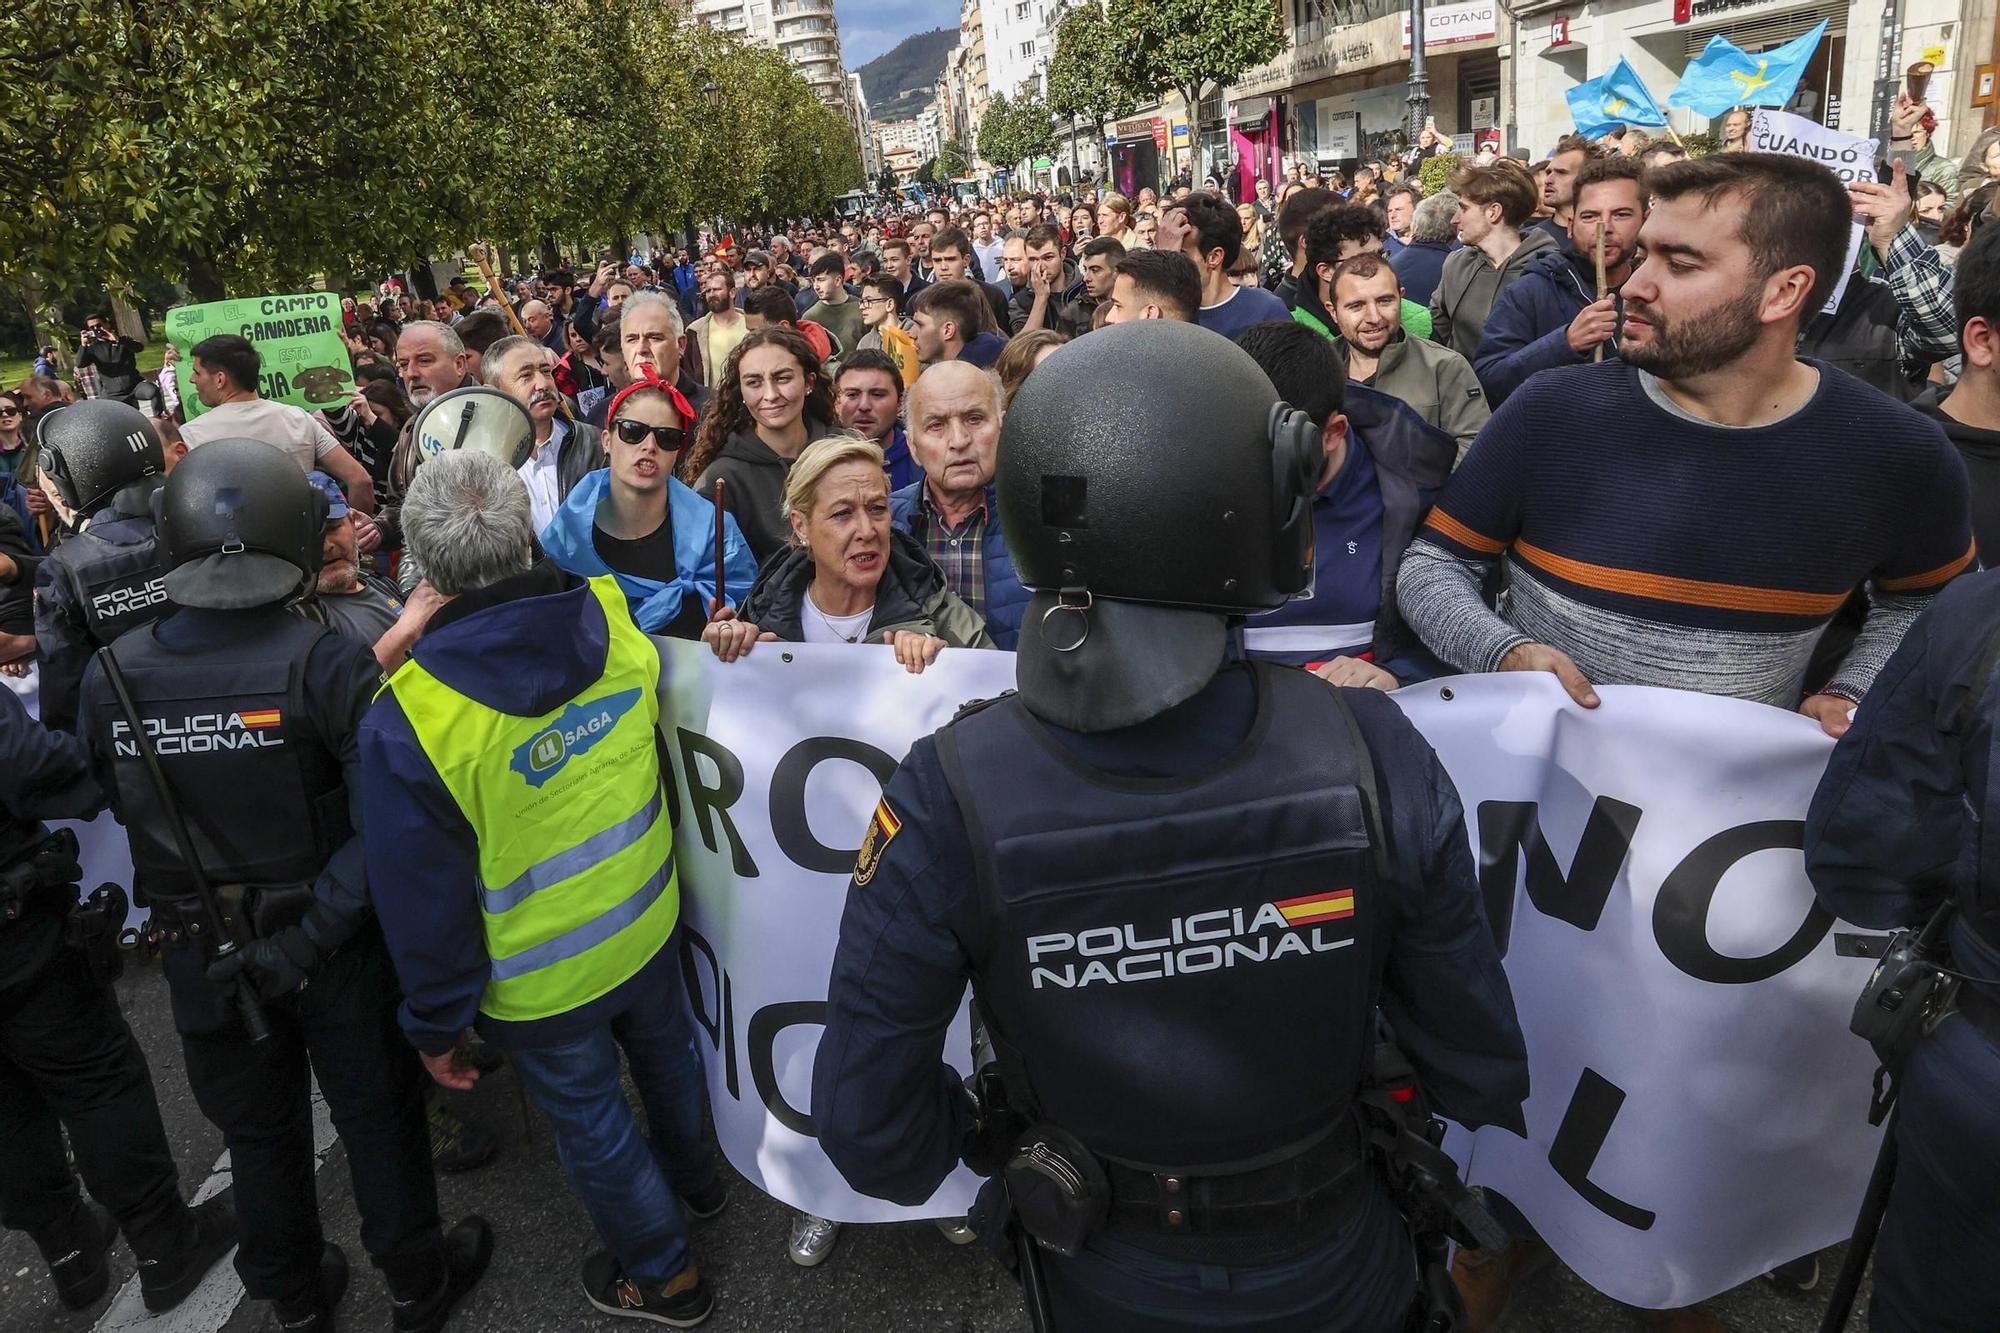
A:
(1725, 75)
(1612, 101)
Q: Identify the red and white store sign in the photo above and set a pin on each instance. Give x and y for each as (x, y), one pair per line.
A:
(1457, 25)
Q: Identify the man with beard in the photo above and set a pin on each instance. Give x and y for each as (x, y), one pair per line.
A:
(1738, 552)
(1436, 382)
(564, 451)
(1668, 521)
(354, 604)
(1562, 177)
(715, 335)
(1551, 315)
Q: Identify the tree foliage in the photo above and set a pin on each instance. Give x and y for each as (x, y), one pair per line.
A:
(952, 162)
(1192, 47)
(1084, 78)
(251, 145)
(1016, 131)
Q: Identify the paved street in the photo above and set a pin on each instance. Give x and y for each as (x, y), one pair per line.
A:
(891, 1279)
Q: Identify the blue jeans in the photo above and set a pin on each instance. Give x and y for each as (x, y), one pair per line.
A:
(628, 1186)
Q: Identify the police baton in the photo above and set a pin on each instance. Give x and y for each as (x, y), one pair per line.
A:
(224, 944)
(1867, 1224)
(1034, 1283)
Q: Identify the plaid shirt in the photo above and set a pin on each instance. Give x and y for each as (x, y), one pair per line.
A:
(87, 382)
(1927, 329)
(960, 552)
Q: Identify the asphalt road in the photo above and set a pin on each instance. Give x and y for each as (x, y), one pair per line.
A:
(881, 1279)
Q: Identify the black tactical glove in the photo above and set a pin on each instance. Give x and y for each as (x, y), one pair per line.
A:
(275, 966)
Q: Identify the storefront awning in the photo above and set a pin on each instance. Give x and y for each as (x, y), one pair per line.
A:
(1250, 111)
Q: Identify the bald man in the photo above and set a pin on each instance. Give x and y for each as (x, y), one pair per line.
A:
(953, 414)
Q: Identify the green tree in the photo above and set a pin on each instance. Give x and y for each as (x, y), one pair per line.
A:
(1192, 47)
(951, 162)
(1084, 80)
(1015, 132)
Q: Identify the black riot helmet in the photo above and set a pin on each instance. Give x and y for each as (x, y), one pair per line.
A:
(93, 449)
(239, 526)
(1151, 485)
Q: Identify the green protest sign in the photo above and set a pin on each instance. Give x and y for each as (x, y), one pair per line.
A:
(298, 338)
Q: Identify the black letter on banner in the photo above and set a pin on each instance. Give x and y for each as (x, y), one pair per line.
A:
(1506, 827)
(715, 801)
(765, 1025)
(788, 800)
(721, 1031)
(1680, 912)
(1580, 1137)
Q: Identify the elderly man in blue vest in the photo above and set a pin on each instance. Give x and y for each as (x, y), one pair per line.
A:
(524, 873)
(953, 412)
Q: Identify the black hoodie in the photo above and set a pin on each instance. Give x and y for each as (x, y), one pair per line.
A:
(1981, 451)
(756, 493)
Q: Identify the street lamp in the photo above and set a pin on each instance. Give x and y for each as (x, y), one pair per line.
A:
(1420, 86)
(711, 91)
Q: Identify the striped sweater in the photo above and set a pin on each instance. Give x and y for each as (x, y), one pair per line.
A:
(1659, 550)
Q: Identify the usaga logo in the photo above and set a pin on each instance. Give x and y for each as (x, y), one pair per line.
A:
(581, 726)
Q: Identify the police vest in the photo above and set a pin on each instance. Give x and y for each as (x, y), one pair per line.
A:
(261, 792)
(577, 889)
(1184, 971)
(112, 573)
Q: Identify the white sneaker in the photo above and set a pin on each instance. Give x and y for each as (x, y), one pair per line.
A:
(956, 1231)
(813, 1238)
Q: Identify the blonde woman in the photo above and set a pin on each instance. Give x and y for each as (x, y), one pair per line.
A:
(849, 576)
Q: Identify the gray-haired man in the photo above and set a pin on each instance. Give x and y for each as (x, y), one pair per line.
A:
(513, 763)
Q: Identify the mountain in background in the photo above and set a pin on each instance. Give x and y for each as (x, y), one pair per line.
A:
(899, 82)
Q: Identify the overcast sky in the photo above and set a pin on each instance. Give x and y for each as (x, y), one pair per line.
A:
(870, 27)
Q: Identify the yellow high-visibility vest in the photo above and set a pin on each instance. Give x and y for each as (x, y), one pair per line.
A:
(577, 890)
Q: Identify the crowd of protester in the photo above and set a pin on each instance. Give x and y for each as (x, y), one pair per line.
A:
(1596, 414)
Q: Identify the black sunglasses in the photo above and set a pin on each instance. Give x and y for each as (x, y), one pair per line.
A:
(668, 439)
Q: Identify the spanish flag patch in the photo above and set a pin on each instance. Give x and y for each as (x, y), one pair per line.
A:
(881, 829)
(1331, 906)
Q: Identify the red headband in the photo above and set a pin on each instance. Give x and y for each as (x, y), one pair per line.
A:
(650, 379)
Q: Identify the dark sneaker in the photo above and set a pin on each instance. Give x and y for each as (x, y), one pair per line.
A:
(1800, 1275)
(74, 1251)
(707, 1201)
(457, 1145)
(165, 1283)
(468, 1248)
(314, 1314)
(684, 1302)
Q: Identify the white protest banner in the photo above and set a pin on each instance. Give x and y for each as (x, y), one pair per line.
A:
(1847, 156)
(1698, 1110)
(778, 761)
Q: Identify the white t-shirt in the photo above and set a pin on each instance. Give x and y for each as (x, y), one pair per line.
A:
(822, 628)
(539, 472)
(302, 436)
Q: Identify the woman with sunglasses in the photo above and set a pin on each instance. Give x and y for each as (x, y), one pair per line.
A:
(13, 434)
(636, 522)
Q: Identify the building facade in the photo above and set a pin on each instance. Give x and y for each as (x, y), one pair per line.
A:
(806, 33)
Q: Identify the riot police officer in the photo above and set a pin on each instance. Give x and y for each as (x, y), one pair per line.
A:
(67, 1059)
(1902, 824)
(104, 461)
(228, 728)
(1181, 884)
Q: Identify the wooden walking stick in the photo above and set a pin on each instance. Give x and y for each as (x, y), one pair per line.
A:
(721, 529)
(1598, 355)
(479, 257)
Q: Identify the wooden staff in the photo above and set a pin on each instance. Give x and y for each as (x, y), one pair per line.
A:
(478, 253)
(1598, 355)
(721, 528)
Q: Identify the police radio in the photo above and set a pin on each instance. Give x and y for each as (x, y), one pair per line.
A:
(1907, 995)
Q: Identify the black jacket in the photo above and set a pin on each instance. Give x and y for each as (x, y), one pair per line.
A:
(912, 595)
(1860, 337)
(1412, 461)
(1981, 451)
